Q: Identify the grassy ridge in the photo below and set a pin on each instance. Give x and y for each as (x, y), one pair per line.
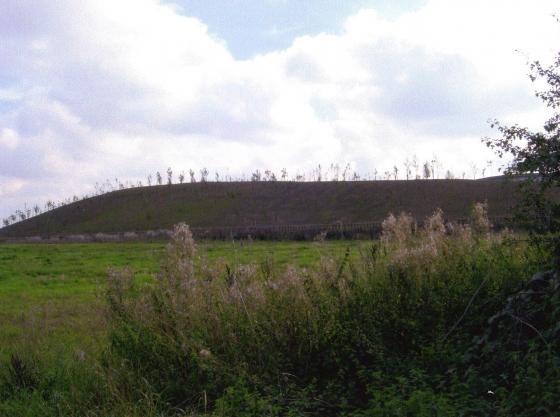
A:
(265, 203)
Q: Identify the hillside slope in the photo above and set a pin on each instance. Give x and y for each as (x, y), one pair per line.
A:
(265, 203)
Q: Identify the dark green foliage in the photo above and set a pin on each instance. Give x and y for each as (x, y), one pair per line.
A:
(536, 158)
(353, 338)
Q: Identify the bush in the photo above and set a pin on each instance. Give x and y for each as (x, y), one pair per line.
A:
(386, 335)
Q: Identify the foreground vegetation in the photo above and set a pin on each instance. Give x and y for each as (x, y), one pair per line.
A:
(439, 321)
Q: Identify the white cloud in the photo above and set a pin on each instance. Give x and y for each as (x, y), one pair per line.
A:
(99, 88)
(8, 138)
(10, 186)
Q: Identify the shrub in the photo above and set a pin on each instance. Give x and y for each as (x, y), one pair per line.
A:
(337, 339)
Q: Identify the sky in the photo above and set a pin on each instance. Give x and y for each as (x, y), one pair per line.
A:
(104, 89)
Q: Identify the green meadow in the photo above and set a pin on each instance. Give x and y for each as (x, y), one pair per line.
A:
(437, 321)
(55, 291)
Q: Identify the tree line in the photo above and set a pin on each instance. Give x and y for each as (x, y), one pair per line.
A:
(410, 169)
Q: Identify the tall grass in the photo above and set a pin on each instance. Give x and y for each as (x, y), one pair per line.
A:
(390, 334)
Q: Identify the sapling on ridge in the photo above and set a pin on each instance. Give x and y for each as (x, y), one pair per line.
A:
(169, 176)
(407, 165)
(204, 174)
(426, 170)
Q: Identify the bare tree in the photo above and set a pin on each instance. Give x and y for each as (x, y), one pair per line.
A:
(345, 173)
(427, 170)
(436, 166)
(191, 175)
(407, 165)
(169, 176)
(474, 170)
(150, 180)
(182, 177)
(204, 175)
(284, 174)
(395, 172)
(335, 171)
(6, 222)
(158, 178)
(20, 214)
(269, 175)
(415, 166)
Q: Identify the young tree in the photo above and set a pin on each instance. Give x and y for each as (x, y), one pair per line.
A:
(335, 169)
(427, 170)
(256, 176)
(536, 156)
(407, 165)
(319, 173)
(158, 178)
(204, 175)
(346, 172)
(169, 176)
(415, 166)
(474, 170)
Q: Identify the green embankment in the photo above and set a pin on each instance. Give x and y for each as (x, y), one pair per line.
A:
(266, 203)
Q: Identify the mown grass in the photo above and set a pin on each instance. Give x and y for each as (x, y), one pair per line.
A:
(400, 327)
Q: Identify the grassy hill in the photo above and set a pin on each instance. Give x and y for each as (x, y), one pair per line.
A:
(265, 203)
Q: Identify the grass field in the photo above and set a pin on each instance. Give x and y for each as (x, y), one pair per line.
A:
(404, 326)
(52, 292)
